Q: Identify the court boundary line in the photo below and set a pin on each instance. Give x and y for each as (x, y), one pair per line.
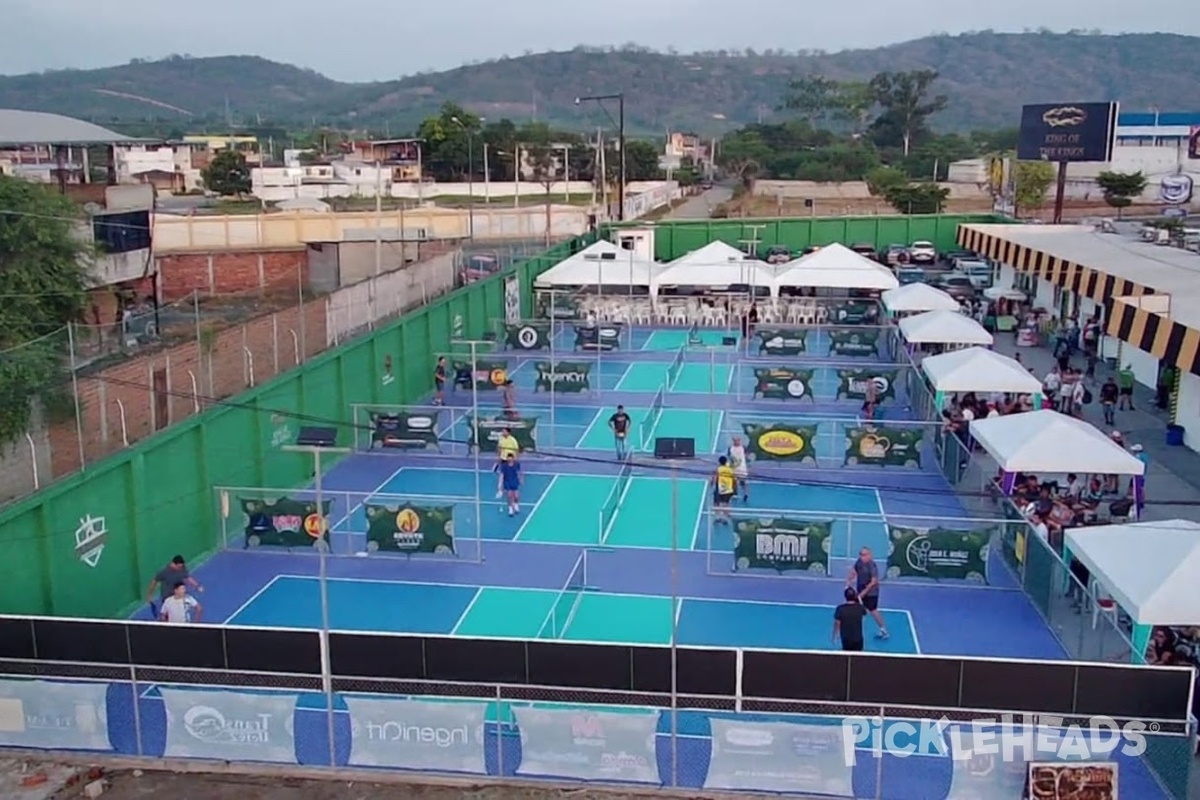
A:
(716, 435)
(252, 599)
(588, 429)
(912, 627)
(467, 610)
(699, 520)
(532, 510)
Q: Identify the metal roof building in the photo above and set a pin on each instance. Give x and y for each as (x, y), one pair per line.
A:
(37, 127)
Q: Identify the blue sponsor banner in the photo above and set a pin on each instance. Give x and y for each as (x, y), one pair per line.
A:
(1060, 132)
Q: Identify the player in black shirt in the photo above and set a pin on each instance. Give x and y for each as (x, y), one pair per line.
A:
(848, 622)
(619, 422)
(439, 381)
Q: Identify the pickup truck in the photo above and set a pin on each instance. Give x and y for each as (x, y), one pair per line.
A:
(979, 272)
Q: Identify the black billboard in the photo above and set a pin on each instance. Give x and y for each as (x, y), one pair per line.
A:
(1067, 132)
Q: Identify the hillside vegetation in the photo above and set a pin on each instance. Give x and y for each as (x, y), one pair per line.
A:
(986, 76)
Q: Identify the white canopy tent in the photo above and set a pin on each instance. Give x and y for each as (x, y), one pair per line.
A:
(1148, 568)
(836, 267)
(599, 264)
(717, 264)
(916, 297)
(977, 369)
(1047, 442)
(943, 327)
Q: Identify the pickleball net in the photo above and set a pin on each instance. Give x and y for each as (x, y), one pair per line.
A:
(676, 367)
(567, 603)
(612, 504)
(650, 421)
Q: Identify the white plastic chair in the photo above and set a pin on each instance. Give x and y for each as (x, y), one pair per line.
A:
(1102, 605)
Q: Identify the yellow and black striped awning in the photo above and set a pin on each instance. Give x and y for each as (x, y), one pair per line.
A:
(1149, 331)
(1156, 334)
(1085, 281)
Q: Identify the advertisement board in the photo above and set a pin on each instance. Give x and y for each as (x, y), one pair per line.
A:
(1067, 132)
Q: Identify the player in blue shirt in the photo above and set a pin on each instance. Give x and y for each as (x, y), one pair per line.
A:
(511, 479)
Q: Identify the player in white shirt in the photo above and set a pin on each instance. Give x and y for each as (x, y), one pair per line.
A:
(180, 608)
(741, 468)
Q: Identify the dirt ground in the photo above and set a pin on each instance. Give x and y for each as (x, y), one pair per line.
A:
(139, 785)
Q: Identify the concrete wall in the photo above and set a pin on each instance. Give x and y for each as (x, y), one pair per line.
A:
(25, 461)
(360, 306)
(234, 272)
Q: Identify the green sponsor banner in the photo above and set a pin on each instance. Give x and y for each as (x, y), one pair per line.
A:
(285, 522)
(783, 383)
(782, 342)
(854, 341)
(855, 313)
(410, 529)
(884, 446)
(776, 441)
(404, 431)
(938, 553)
(601, 336)
(488, 431)
(563, 376)
(528, 336)
(853, 383)
(784, 545)
(487, 374)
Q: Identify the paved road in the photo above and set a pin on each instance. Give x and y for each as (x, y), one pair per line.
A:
(702, 205)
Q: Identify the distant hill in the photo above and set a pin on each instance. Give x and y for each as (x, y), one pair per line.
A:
(987, 76)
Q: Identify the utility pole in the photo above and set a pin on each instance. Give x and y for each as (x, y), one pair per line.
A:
(620, 98)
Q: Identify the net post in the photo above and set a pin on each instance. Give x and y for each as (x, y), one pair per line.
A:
(553, 390)
(586, 580)
(600, 527)
(712, 390)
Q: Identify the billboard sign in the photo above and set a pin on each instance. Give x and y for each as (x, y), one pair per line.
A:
(1067, 132)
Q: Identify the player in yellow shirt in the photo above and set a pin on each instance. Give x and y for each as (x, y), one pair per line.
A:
(725, 487)
(506, 446)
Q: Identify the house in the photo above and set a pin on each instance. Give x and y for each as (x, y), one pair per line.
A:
(169, 166)
(401, 156)
(205, 147)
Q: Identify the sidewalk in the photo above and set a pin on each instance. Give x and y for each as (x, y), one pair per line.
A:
(1173, 474)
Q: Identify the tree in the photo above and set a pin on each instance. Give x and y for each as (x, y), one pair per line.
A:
(1031, 179)
(543, 162)
(641, 160)
(918, 198)
(446, 145)
(227, 174)
(812, 97)
(907, 106)
(44, 275)
(1120, 188)
(882, 180)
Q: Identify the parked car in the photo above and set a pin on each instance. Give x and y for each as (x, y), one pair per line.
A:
(895, 254)
(922, 252)
(865, 249)
(706, 184)
(979, 272)
(957, 285)
(950, 256)
(478, 267)
(907, 275)
(778, 254)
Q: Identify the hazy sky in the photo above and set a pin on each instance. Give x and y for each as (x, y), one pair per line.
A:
(390, 39)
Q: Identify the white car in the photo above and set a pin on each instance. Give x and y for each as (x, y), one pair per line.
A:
(923, 253)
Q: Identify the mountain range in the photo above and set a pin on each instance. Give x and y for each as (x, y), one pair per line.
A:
(987, 77)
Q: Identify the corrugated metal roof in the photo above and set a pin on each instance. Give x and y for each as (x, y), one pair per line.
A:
(36, 127)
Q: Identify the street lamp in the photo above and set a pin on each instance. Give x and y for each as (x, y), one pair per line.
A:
(470, 175)
(620, 98)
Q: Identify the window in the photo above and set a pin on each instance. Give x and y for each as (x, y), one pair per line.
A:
(122, 233)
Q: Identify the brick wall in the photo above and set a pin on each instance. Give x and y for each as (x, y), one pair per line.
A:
(219, 371)
(230, 271)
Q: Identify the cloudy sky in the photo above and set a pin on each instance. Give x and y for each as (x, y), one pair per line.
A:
(390, 39)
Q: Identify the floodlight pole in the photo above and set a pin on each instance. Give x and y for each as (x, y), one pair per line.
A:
(674, 626)
(322, 545)
(476, 435)
(620, 98)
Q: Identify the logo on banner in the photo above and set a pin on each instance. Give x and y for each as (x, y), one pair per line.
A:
(795, 388)
(781, 547)
(1175, 189)
(90, 538)
(407, 733)
(207, 724)
(528, 337)
(1064, 117)
(781, 443)
(861, 385)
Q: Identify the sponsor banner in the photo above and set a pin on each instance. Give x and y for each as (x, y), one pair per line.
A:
(405, 431)
(410, 529)
(1096, 781)
(488, 375)
(48, 715)
(939, 553)
(1176, 190)
(854, 342)
(528, 336)
(988, 776)
(785, 342)
(285, 522)
(883, 446)
(230, 726)
(601, 336)
(563, 376)
(588, 745)
(776, 441)
(778, 757)
(783, 383)
(853, 383)
(416, 734)
(1067, 132)
(488, 431)
(784, 545)
(512, 300)
(855, 313)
